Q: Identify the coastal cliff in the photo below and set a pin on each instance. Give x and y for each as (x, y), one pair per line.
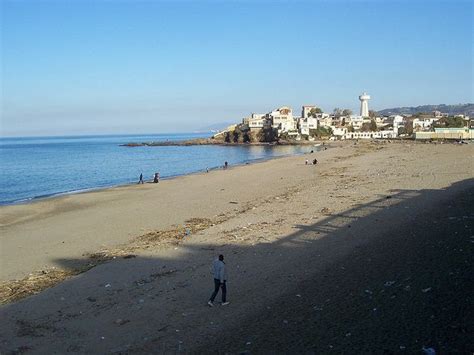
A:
(238, 135)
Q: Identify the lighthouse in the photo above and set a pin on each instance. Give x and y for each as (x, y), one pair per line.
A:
(364, 104)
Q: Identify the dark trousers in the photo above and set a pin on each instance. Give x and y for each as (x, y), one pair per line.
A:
(217, 284)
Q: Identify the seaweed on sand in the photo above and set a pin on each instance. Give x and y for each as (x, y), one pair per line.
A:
(34, 283)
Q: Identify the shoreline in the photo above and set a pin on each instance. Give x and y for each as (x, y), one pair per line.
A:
(316, 144)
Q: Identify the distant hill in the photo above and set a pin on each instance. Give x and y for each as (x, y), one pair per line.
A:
(460, 109)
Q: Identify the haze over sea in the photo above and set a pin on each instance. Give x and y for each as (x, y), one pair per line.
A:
(36, 167)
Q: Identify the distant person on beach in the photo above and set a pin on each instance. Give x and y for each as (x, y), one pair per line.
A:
(156, 179)
(207, 170)
(141, 179)
(220, 277)
(226, 165)
(315, 161)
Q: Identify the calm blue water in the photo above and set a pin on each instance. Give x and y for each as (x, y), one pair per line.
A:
(46, 166)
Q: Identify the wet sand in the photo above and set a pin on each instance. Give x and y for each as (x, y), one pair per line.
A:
(281, 224)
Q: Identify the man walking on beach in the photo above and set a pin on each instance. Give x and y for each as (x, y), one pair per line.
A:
(141, 179)
(220, 278)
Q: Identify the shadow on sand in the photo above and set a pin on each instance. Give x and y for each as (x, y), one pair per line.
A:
(391, 275)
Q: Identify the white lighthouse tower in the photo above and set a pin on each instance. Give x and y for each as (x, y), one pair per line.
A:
(364, 104)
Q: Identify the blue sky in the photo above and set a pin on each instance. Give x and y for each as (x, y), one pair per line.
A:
(86, 67)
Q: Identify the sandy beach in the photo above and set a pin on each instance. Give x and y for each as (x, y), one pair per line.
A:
(314, 253)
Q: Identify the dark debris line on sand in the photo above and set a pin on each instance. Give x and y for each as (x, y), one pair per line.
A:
(15, 290)
(405, 290)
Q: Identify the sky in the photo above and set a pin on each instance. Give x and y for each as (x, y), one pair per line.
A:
(103, 67)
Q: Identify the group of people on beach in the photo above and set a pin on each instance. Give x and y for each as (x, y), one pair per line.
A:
(156, 178)
(315, 161)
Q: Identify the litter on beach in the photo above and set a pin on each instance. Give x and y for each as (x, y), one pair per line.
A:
(429, 351)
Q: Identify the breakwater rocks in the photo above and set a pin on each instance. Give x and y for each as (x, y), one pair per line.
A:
(199, 141)
(209, 141)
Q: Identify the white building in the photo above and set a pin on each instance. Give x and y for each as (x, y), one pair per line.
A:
(370, 135)
(283, 120)
(339, 132)
(257, 121)
(447, 133)
(325, 120)
(396, 121)
(355, 121)
(308, 123)
(423, 124)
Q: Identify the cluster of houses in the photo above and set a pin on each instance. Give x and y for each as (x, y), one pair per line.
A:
(342, 125)
(339, 125)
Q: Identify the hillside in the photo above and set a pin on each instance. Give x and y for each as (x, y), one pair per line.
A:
(465, 109)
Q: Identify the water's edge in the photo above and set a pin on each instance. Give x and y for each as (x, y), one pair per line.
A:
(39, 198)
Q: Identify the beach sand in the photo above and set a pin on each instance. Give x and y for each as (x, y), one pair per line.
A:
(310, 251)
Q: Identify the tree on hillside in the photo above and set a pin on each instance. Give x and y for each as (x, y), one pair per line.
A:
(369, 126)
(314, 111)
(450, 122)
(421, 114)
(346, 112)
(372, 113)
(351, 128)
(321, 132)
(337, 112)
(408, 127)
(365, 127)
(343, 122)
(373, 125)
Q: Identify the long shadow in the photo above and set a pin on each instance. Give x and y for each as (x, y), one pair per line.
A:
(391, 275)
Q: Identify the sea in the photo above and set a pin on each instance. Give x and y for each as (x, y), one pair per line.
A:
(40, 167)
